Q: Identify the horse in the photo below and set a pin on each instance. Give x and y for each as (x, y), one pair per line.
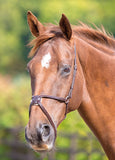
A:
(71, 68)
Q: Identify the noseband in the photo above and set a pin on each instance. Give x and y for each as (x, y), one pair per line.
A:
(36, 100)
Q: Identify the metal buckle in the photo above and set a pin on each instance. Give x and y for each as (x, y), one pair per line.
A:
(67, 100)
(36, 99)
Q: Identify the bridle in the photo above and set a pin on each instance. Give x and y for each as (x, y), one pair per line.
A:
(36, 100)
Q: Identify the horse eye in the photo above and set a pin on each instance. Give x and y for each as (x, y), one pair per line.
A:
(66, 70)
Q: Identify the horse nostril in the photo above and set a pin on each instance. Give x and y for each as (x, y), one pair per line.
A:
(45, 130)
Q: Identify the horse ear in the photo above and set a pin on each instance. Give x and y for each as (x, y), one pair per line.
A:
(65, 27)
(35, 26)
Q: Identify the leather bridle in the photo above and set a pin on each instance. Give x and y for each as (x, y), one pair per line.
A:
(36, 100)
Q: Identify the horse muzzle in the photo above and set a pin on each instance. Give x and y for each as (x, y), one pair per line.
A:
(41, 138)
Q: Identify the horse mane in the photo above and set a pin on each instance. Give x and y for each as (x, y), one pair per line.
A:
(97, 35)
(82, 31)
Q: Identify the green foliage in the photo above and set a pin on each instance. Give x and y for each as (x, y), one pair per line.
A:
(14, 101)
(61, 156)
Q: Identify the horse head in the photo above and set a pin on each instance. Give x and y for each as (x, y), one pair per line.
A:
(53, 75)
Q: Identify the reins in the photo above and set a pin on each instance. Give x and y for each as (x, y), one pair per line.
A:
(36, 100)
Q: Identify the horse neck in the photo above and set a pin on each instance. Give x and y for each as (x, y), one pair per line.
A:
(98, 102)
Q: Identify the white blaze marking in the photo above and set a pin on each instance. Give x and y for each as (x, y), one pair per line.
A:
(46, 60)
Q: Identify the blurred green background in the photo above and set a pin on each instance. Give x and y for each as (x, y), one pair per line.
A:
(15, 89)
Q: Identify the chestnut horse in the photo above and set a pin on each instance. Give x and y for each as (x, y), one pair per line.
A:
(73, 68)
